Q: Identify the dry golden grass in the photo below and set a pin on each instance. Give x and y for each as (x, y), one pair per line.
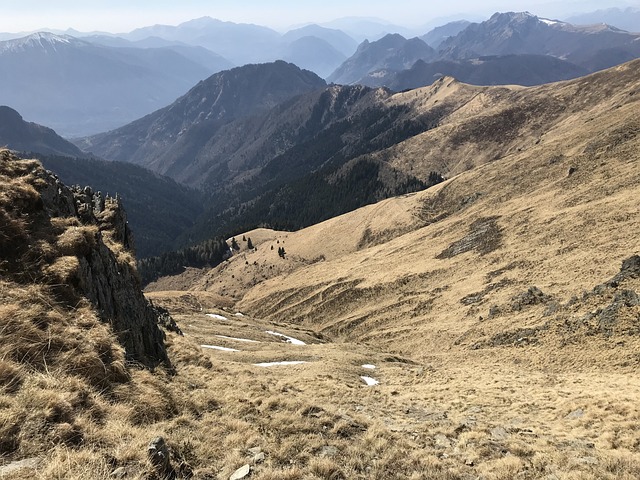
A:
(491, 386)
(474, 381)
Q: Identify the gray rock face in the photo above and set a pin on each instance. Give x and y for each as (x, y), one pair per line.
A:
(110, 284)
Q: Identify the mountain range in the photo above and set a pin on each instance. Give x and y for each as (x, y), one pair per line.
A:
(486, 53)
(252, 156)
(593, 47)
(479, 328)
(77, 87)
(255, 138)
(82, 86)
(627, 19)
(436, 283)
(258, 168)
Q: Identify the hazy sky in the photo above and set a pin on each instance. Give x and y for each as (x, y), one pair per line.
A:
(125, 15)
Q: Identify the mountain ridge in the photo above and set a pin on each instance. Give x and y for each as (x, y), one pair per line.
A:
(17, 134)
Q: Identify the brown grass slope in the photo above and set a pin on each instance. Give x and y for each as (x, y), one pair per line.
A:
(497, 357)
(513, 286)
(562, 232)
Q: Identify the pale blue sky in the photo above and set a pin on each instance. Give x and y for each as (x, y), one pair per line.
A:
(125, 15)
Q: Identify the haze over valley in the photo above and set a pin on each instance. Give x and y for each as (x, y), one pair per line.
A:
(320, 241)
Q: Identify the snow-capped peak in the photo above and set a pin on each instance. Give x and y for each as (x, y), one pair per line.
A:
(38, 40)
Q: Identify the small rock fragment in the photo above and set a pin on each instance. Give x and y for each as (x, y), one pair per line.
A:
(159, 456)
(242, 472)
(328, 451)
(119, 472)
(579, 413)
(499, 434)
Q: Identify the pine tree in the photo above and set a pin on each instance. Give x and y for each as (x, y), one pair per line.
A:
(249, 244)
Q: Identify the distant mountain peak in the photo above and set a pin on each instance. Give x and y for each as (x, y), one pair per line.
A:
(9, 114)
(39, 40)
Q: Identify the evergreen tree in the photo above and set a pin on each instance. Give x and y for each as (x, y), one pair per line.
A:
(249, 244)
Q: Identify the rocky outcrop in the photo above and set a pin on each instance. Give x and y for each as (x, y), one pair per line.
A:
(79, 243)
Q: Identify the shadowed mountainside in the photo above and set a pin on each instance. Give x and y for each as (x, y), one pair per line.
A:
(526, 70)
(167, 139)
(19, 135)
(158, 209)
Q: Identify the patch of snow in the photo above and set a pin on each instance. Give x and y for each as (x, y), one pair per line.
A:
(216, 316)
(224, 349)
(39, 40)
(291, 340)
(237, 339)
(371, 382)
(369, 366)
(549, 22)
(272, 364)
(239, 314)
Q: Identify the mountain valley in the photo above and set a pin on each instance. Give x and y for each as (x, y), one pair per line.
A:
(428, 270)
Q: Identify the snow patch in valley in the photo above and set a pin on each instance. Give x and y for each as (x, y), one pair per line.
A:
(369, 366)
(237, 339)
(371, 382)
(272, 364)
(216, 316)
(291, 340)
(216, 347)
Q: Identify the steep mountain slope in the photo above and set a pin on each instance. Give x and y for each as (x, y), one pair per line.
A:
(167, 140)
(79, 88)
(19, 135)
(159, 210)
(73, 246)
(593, 47)
(523, 69)
(498, 311)
(393, 52)
(574, 170)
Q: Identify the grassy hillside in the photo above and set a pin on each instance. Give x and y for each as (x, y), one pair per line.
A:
(500, 308)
